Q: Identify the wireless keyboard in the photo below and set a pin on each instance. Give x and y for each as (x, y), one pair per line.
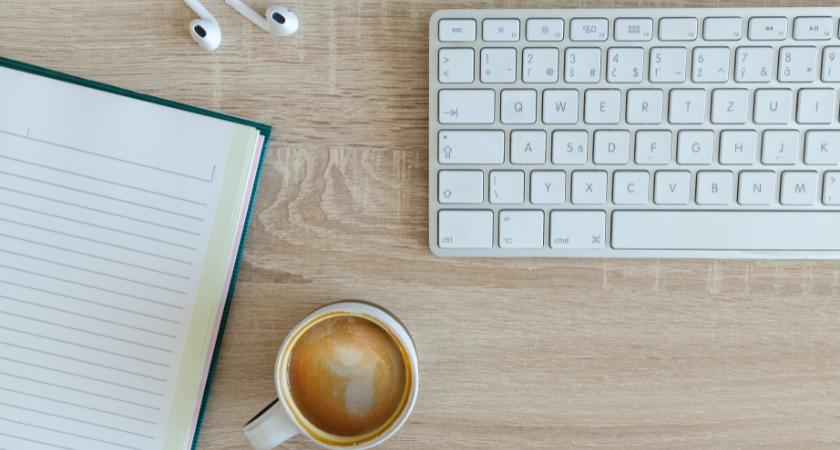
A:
(687, 133)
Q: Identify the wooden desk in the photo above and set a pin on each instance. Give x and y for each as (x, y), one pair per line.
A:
(581, 353)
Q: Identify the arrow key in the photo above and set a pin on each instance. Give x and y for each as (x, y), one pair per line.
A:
(461, 186)
(456, 65)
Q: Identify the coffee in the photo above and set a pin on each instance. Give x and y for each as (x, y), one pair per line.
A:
(348, 376)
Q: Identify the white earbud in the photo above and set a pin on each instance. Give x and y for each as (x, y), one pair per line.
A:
(278, 20)
(205, 31)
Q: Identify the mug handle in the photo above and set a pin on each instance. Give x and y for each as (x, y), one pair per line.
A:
(270, 428)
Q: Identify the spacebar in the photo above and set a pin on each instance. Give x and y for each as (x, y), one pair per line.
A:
(725, 230)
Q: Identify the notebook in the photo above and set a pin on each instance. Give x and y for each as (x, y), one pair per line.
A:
(122, 223)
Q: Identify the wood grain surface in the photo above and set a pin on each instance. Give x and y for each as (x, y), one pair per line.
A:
(519, 354)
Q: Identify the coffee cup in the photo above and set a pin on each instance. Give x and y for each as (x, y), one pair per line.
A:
(346, 376)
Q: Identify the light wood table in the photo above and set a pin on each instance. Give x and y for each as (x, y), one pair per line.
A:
(514, 354)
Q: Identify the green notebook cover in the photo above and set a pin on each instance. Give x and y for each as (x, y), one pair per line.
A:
(264, 130)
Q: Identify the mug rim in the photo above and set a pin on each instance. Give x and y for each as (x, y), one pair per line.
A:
(397, 329)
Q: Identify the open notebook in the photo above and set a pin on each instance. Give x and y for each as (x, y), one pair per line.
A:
(122, 220)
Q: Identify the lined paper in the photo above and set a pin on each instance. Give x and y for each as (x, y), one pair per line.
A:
(106, 208)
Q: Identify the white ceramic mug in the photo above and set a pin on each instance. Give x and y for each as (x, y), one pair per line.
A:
(281, 420)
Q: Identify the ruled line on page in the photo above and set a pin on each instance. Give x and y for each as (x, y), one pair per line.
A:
(55, 247)
(69, 434)
(80, 376)
(82, 361)
(52, 308)
(20, 316)
(22, 255)
(94, 240)
(91, 287)
(44, 166)
(78, 390)
(77, 405)
(81, 222)
(151, 316)
(127, 202)
(91, 209)
(37, 442)
(112, 157)
(75, 420)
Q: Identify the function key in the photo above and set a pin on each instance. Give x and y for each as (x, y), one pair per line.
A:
(544, 30)
(633, 29)
(768, 29)
(501, 30)
(456, 30)
(589, 29)
(678, 29)
(723, 28)
(813, 28)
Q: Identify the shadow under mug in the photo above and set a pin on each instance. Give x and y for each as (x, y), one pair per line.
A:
(281, 421)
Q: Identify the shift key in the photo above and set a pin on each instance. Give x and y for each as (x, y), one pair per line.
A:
(466, 106)
(471, 147)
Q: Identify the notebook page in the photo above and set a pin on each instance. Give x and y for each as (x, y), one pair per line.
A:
(106, 209)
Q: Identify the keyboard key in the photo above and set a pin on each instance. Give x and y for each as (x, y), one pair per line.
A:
(711, 65)
(754, 64)
(644, 106)
(540, 65)
(548, 187)
(813, 28)
(671, 187)
(521, 229)
(730, 105)
(560, 106)
(624, 65)
(667, 64)
(500, 30)
(822, 148)
(589, 29)
(816, 106)
(507, 186)
(687, 106)
(465, 229)
(799, 188)
(578, 229)
(633, 29)
(460, 186)
(772, 106)
(737, 147)
(797, 64)
(583, 65)
(678, 29)
(466, 106)
(456, 30)
(653, 147)
(527, 147)
(630, 188)
(756, 188)
(602, 106)
(768, 29)
(831, 65)
(519, 106)
(589, 187)
(455, 65)
(471, 147)
(569, 147)
(730, 230)
(714, 188)
(498, 65)
(831, 189)
(695, 147)
(545, 30)
(780, 147)
(611, 147)
(723, 28)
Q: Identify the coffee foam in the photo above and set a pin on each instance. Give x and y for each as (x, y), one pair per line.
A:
(347, 376)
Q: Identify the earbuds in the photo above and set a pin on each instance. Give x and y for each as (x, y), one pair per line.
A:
(205, 31)
(278, 20)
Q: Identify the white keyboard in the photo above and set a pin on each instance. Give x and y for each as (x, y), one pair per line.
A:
(688, 133)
